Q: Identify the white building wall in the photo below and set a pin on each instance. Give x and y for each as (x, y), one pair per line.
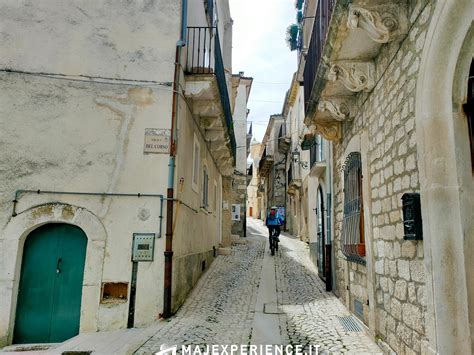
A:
(67, 132)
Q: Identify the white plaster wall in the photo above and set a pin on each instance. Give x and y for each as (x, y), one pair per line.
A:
(240, 128)
(196, 14)
(89, 138)
(110, 38)
(80, 136)
(194, 232)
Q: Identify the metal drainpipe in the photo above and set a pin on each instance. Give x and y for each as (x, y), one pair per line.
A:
(167, 289)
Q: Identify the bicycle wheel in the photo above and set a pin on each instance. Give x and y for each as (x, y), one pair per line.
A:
(272, 244)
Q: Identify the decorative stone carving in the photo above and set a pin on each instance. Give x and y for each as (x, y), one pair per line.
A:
(340, 108)
(355, 76)
(214, 135)
(330, 130)
(383, 23)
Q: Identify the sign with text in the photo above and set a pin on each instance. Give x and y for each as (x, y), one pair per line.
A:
(157, 140)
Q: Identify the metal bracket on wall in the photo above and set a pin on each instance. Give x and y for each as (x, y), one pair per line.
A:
(19, 193)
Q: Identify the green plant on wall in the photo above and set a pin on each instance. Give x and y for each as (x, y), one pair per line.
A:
(292, 36)
(299, 16)
(299, 4)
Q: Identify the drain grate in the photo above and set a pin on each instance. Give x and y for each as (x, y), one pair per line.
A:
(349, 324)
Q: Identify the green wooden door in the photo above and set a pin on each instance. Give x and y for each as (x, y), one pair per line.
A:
(49, 295)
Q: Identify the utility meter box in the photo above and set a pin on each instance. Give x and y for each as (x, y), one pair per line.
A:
(143, 246)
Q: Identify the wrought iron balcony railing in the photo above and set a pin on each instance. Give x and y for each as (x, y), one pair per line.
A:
(204, 56)
(316, 46)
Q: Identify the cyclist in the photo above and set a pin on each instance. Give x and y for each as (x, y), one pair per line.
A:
(273, 222)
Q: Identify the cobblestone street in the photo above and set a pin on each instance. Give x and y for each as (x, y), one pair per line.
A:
(226, 305)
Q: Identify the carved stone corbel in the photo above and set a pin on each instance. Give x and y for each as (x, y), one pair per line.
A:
(383, 23)
(339, 107)
(330, 130)
(355, 76)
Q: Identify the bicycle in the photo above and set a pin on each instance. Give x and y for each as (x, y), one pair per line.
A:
(274, 241)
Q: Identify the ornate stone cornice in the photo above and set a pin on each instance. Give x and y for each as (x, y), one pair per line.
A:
(383, 23)
(340, 108)
(355, 76)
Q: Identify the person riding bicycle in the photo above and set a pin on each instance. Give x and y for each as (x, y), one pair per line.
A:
(274, 221)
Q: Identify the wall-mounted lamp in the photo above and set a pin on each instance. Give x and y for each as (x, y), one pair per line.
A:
(297, 159)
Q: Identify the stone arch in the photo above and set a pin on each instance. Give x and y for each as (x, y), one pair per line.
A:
(449, 46)
(14, 237)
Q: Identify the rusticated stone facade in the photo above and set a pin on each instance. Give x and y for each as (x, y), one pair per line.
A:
(386, 116)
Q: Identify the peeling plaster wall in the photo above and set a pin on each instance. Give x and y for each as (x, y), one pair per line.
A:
(70, 135)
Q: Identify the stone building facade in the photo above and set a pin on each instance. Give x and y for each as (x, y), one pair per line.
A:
(387, 116)
(241, 88)
(253, 200)
(366, 77)
(272, 168)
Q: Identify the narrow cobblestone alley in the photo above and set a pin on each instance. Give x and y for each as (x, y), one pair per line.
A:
(224, 308)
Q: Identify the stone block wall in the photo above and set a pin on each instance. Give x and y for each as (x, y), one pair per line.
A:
(387, 116)
(239, 196)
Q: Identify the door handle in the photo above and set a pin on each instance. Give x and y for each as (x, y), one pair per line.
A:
(58, 266)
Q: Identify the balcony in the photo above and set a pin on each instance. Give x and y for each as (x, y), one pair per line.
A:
(317, 158)
(345, 39)
(284, 141)
(206, 89)
(266, 162)
(294, 184)
(284, 144)
(249, 174)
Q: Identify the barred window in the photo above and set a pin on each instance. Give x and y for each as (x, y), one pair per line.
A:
(353, 241)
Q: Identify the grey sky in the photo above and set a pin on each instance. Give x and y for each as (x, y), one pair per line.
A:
(260, 50)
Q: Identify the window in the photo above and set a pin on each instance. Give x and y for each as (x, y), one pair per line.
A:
(196, 164)
(469, 110)
(353, 241)
(205, 188)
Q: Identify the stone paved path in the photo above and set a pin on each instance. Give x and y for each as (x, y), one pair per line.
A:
(224, 307)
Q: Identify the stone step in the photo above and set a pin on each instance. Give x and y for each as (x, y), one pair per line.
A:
(224, 251)
(236, 239)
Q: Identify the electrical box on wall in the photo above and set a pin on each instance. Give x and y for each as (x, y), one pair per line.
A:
(412, 222)
(235, 212)
(143, 247)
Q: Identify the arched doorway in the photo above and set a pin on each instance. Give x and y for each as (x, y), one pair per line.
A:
(50, 290)
(446, 179)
